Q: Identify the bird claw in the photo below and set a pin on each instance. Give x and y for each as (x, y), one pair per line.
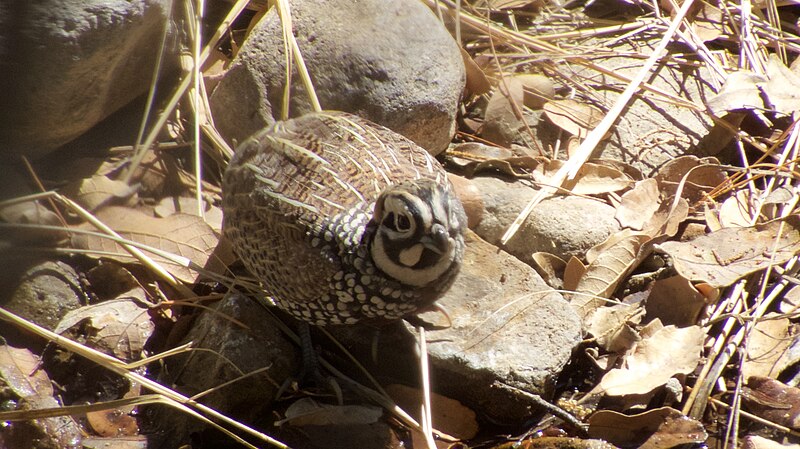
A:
(295, 384)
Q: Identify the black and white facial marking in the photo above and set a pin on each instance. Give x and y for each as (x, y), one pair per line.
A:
(420, 231)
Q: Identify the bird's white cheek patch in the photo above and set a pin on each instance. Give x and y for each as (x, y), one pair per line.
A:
(410, 256)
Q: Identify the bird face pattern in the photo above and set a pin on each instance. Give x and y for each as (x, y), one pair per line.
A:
(420, 223)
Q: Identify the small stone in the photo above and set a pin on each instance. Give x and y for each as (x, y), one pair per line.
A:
(564, 225)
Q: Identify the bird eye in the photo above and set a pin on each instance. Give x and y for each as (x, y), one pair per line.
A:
(402, 223)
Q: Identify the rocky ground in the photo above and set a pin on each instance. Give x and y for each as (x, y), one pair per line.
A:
(645, 300)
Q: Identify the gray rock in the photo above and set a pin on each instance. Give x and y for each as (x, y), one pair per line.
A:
(228, 352)
(508, 130)
(508, 327)
(45, 293)
(233, 351)
(378, 435)
(650, 132)
(71, 64)
(390, 62)
(562, 225)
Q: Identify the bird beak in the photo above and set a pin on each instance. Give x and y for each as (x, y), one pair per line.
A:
(438, 241)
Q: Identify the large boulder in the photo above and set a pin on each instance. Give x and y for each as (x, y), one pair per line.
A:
(391, 62)
(70, 64)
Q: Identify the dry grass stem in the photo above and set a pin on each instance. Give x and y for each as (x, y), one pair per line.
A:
(168, 396)
(588, 145)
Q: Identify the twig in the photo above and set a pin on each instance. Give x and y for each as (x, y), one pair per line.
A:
(553, 409)
(426, 413)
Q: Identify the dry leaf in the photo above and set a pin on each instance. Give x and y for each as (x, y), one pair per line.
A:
(30, 213)
(661, 428)
(449, 416)
(308, 412)
(740, 92)
(503, 115)
(776, 201)
(155, 172)
(651, 328)
(675, 301)
(780, 195)
(791, 300)
(642, 209)
(773, 401)
(708, 22)
(638, 205)
(524, 89)
(697, 177)
(711, 218)
(112, 423)
(614, 327)
(477, 82)
(722, 257)
(159, 171)
(573, 273)
(630, 171)
(518, 167)
(539, 442)
(119, 326)
(783, 88)
(171, 205)
(109, 280)
(723, 132)
(536, 89)
(470, 152)
(737, 210)
(657, 358)
(180, 234)
(602, 362)
(668, 218)
(767, 347)
(712, 294)
(117, 422)
(593, 252)
(188, 205)
(590, 179)
(594, 179)
(573, 117)
(97, 191)
(20, 373)
(551, 268)
(604, 274)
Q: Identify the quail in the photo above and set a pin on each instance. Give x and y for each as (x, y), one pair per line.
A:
(343, 220)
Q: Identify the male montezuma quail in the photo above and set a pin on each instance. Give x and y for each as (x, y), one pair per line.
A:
(343, 220)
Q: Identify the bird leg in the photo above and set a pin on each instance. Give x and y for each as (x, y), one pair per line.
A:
(310, 366)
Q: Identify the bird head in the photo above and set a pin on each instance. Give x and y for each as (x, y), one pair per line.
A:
(420, 231)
